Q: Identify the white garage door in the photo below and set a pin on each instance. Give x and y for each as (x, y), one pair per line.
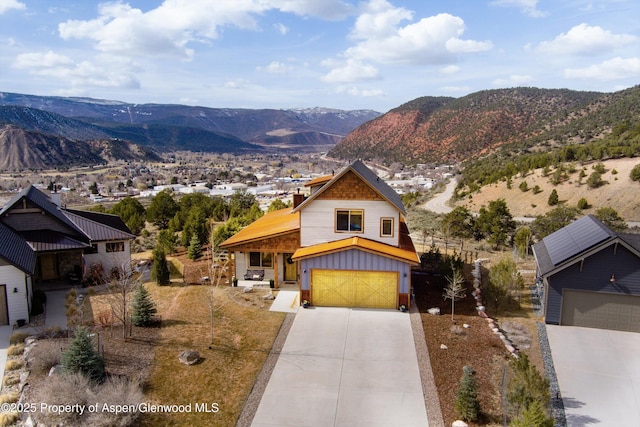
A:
(601, 310)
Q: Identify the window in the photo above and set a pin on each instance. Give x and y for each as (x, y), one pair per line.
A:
(349, 220)
(115, 247)
(386, 227)
(260, 259)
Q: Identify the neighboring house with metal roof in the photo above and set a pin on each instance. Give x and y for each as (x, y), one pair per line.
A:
(40, 241)
(590, 276)
(346, 244)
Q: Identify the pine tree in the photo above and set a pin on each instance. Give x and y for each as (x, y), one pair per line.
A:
(160, 267)
(143, 307)
(467, 406)
(194, 251)
(553, 198)
(81, 357)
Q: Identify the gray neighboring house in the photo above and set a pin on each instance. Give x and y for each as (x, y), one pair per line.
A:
(591, 276)
(42, 242)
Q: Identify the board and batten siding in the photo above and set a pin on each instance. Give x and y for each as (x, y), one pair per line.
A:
(595, 276)
(317, 221)
(17, 302)
(354, 259)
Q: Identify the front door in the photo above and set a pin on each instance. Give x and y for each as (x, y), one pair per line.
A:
(48, 266)
(290, 269)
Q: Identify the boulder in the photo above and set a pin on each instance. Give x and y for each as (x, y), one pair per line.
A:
(443, 347)
(189, 357)
(269, 297)
(55, 370)
(435, 311)
(459, 423)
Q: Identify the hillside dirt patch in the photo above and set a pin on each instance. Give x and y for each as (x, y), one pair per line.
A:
(617, 193)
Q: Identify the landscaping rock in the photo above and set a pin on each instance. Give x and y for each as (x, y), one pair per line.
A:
(465, 325)
(435, 311)
(55, 370)
(443, 347)
(189, 357)
(269, 297)
(459, 423)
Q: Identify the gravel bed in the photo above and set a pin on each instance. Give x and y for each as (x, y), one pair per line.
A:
(557, 406)
(253, 400)
(431, 399)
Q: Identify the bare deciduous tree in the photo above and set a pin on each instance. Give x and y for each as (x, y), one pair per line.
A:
(455, 289)
(218, 266)
(120, 287)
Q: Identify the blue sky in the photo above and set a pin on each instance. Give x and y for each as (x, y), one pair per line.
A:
(374, 54)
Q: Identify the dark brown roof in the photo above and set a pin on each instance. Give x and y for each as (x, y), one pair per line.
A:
(16, 251)
(49, 240)
(96, 229)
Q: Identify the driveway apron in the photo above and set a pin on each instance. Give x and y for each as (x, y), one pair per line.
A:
(598, 373)
(345, 367)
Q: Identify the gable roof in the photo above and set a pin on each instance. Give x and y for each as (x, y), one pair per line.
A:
(575, 239)
(40, 199)
(369, 177)
(271, 224)
(108, 227)
(16, 251)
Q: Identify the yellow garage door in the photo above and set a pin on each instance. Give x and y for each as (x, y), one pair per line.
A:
(353, 288)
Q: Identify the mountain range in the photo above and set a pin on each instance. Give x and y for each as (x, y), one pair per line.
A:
(444, 129)
(43, 131)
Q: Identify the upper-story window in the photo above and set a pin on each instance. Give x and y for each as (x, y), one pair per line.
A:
(115, 247)
(350, 220)
(386, 227)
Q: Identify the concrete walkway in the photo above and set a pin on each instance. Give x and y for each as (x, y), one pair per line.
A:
(286, 302)
(56, 312)
(598, 373)
(345, 367)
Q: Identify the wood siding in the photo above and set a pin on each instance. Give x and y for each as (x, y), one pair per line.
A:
(350, 187)
(594, 274)
(17, 302)
(354, 259)
(35, 221)
(317, 221)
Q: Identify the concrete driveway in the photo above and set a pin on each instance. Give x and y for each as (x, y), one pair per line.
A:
(598, 373)
(345, 367)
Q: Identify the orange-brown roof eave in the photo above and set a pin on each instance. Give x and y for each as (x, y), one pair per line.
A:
(360, 243)
(272, 224)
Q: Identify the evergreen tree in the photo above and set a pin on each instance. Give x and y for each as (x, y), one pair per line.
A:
(81, 357)
(143, 307)
(553, 198)
(194, 251)
(467, 406)
(160, 266)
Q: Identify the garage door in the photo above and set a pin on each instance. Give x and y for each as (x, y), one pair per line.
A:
(352, 288)
(601, 310)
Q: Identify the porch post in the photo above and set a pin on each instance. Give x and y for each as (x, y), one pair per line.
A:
(275, 270)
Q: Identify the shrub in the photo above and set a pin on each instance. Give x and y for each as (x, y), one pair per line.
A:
(45, 355)
(62, 390)
(553, 198)
(523, 186)
(13, 365)
(583, 204)
(635, 173)
(527, 386)
(9, 418)
(467, 406)
(81, 357)
(18, 337)
(9, 397)
(10, 380)
(15, 350)
(116, 391)
(537, 189)
(595, 180)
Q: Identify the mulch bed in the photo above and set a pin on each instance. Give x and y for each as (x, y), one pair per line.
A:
(476, 345)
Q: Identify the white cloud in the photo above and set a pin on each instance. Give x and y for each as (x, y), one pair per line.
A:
(351, 71)
(586, 40)
(528, 7)
(275, 67)
(450, 69)
(237, 84)
(432, 40)
(106, 73)
(170, 28)
(7, 5)
(362, 93)
(612, 69)
(513, 80)
(281, 28)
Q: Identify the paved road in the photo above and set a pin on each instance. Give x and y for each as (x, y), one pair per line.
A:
(345, 367)
(598, 373)
(439, 203)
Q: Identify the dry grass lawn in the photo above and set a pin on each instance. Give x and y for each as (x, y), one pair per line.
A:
(244, 332)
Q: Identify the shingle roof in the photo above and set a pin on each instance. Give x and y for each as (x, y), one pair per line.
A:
(16, 251)
(367, 176)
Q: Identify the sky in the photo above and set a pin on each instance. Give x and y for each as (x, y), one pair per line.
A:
(370, 54)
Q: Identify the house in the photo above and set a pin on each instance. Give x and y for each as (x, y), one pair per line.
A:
(346, 244)
(41, 242)
(590, 276)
